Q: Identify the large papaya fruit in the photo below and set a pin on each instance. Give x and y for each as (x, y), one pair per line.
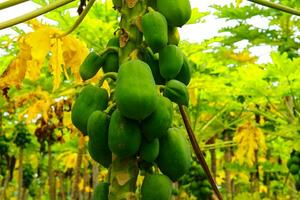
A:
(111, 59)
(124, 135)
(170, 61)
(97, 129)
(149, 150)
(184, 75)
(173, 36)
(135, 93)
(155, 30)
(177, 92)
(90, 99)
(90, 66)
(156, 187)
(158, 123)
(101, 191)
(177, 12)
(174, 157)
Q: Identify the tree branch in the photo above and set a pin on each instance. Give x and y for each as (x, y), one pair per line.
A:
(277, 7)
(198, 152)
(34, 14)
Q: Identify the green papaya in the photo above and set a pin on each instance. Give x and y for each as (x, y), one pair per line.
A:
(156, 187)
(90, 99)
(158, 123)
(289, 163)
(124, 135)
(154, 66)
(176, 92)
(177, 12)
(170, 61)
(135, 93)
(97, 129)
(184, 75)
(90, 66)
(155, 30)
(295, 159)
(174, 158)
(173, 36)
(111, 59)
(294, 169)
(149, 150)
(101, 191)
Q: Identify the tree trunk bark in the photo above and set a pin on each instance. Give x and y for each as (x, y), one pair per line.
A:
(227, 158)
(95, 174)
(50, 174)
(20, 174)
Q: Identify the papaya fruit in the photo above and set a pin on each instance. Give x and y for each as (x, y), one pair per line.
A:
(295, 159)
(155, 30)
(124, 135)
(158, 123)
(170, 61)
(97, 129)
(111, 59)
(177, 12)
(90, 66)
(173, 36)
(149, 150)
(156, 187)
(90, 99)
(184, 75)
(174, 158)
(101, 191)
(135, 93)
(154, 66)
(294, 169)
(176, 92)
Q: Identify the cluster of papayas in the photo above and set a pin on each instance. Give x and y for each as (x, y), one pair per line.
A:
(140, 124)
(293, 165)
(195, 182)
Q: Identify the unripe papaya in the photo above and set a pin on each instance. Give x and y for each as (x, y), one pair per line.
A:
(149, 150)
(111, 59)
(97, 128)
(154, 66)
(174, 158)
(90, 99)
(124, 135)
(156, 187)
(184, 75)
(158, 123)
(295, 159)
(101, 191)
(177, 92)
(173, 36)
(170, 61)
(135, 94)
(177, 12)
(155, 30)
(90, 66)
(294, 169)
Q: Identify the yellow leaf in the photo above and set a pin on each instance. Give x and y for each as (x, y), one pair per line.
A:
(56, 62)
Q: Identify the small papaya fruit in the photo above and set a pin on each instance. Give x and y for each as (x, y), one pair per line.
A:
(156, 187)
(90, 66)
(111, 59)
(158, 123)
(135, 92)
(294, 169)
(170, 61)
(173, 36)
(177, 92)
(124, 135)
(101, 191)
(97, 129)
(174, 158)
(184, 75)
(90, 99)
(149, 150)
(177, 12)
(155, 30)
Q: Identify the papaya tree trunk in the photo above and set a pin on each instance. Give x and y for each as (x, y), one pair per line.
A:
(227, 158)
(75, 188)
(95, 174)
(124, 172)
(50, 174)
(20, 174)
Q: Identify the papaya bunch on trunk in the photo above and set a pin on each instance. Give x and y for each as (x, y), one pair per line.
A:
(135, 122)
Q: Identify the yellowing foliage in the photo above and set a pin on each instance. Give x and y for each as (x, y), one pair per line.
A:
(250, 140)
(241, 56)
(64, 52)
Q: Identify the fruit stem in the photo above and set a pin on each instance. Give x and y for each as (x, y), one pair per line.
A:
(111, 75)
(198, 152)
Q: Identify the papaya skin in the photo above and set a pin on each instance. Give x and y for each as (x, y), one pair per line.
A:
(149, 150)
(90, 66)
(177, 92)
(184, 75)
